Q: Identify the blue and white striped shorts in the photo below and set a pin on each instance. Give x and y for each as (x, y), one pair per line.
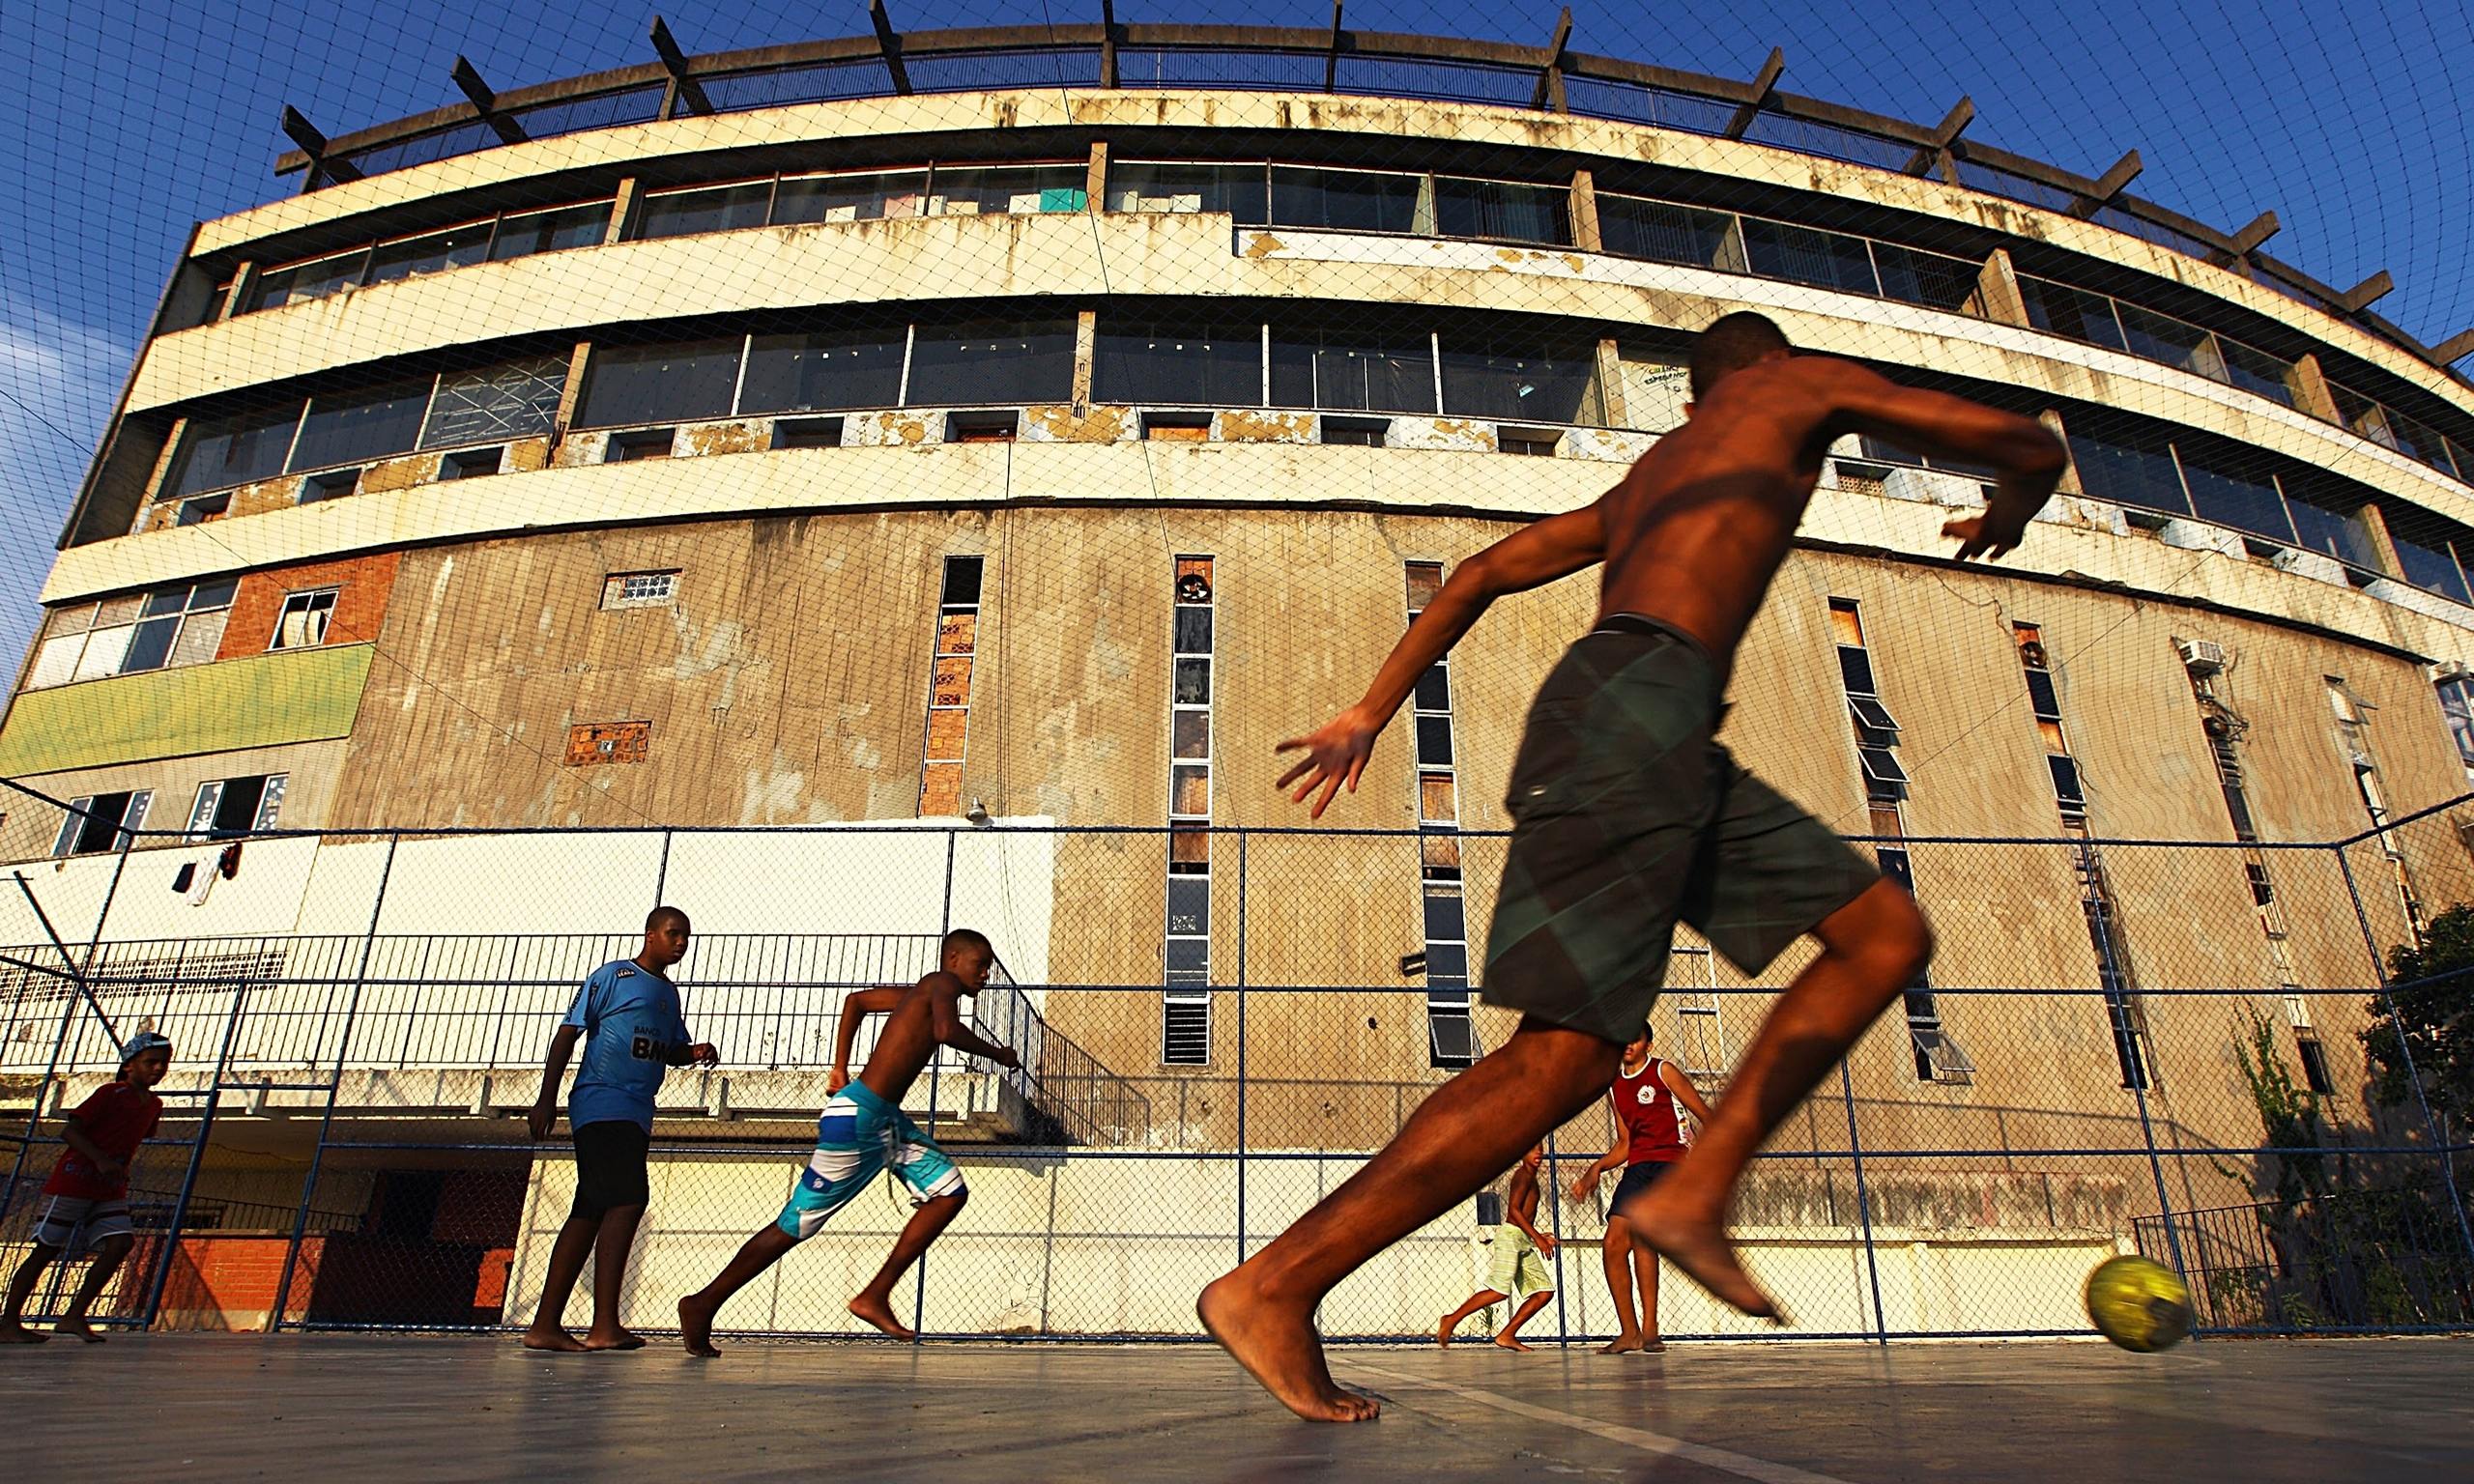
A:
(859, 1135)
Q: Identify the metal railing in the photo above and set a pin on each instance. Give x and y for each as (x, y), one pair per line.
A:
(1552, 78)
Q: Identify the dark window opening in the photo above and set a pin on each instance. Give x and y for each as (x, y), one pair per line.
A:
(808, 433)
(983, 427)
(471, 462)
(2315, 1065)
(646, 444)
(333, 484)
(1452, 1041)
(1356, 432)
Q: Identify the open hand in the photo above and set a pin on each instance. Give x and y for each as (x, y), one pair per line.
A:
(702, 1054)
(1547, 1243)
(1334, 755)
(1587, 1186)
(1979, 536)
(539, 1119)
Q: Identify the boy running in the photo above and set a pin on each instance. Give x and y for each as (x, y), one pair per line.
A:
(1627, 816)
(863, 1131)
(1519, 1267)
(86, 1201)
(1648, 1098)
(628, 1012)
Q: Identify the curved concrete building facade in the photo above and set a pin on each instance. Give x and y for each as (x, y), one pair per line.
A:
(757, 453)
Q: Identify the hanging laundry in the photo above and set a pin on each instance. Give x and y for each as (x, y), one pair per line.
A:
(204, 885)
(181, 878)
(230, 864)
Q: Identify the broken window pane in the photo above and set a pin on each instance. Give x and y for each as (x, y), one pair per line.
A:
(491, 404)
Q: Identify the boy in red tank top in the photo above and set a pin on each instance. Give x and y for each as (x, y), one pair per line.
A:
(1649, 1139)
(85, 1204)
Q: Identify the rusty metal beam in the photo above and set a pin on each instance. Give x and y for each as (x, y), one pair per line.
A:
(2362, 296)
(2108, 185)
(1332, 53)
(674, 61)
(486, 103)
(1549, 92)
(1762, 85)
(2455, 348)
(313, 146)
(889, 46)
(1945, 134)
(2245, 241)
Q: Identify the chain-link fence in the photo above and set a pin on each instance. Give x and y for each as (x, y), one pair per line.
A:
(2182, 1049)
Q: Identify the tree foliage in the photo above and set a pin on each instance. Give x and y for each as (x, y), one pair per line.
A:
(2432, 986)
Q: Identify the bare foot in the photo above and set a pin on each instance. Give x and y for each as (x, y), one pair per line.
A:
(1620, 1345)
(1653, 1346)
(1279, 1348)
(696, 1326)
(15, 1333)
(79, 1328)
(1443, 1333)
(1510, 1342)
(870, 1309)
(553, 1338)
(1699, 1245)
(597, 1338)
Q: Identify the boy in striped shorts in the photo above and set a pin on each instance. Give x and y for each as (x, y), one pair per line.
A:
(85, 1204)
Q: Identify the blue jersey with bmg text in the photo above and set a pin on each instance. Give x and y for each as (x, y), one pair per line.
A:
(629, 1015)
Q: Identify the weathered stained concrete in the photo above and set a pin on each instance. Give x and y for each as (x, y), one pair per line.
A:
(381, 1409)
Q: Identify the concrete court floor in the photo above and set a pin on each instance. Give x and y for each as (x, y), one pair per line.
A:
(377, 1410)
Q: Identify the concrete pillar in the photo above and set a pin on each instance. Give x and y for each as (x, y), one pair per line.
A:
(2382, 544)
(629, 189)
(2070, 484)
(1610, 373)
(1585, 233)
(1086, 338)
(2311, 394)
(1095, 181)
(243, 279)
(1997, 296)
(567, 395)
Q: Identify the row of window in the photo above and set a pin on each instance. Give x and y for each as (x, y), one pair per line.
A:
(1239, 361)
(97, 823)
(2100, 319)
(1193, 644)
(163, 629)
(443, 410)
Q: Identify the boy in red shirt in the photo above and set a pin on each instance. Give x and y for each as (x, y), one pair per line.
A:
(86, 1201)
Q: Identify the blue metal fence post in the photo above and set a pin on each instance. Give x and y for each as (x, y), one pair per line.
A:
(335, 1086)
(1241, 1045)
(81, 973)
(2414, 1078)
(197, 1159)
(936, 1102)
(1863, 1206)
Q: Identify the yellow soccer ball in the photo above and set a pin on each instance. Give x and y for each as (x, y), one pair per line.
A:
(2139, 1304)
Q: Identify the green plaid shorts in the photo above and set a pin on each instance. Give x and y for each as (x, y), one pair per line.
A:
(1627, 816)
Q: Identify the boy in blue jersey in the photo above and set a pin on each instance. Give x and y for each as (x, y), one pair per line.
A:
(629, 1014)
(864, 1132)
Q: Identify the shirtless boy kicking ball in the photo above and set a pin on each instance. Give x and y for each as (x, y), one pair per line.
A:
(863, 1131)
(1629, 816)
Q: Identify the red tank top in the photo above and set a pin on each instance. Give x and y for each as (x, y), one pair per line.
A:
(1647, 1110)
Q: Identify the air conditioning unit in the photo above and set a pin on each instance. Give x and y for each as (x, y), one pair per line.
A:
(2201, 656)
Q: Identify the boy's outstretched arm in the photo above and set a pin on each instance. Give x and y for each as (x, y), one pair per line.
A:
(955, 1032)
(2029, 461)
(855, 1008)
(1532, 556)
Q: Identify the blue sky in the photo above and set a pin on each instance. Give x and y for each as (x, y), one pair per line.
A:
(2350, 120)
